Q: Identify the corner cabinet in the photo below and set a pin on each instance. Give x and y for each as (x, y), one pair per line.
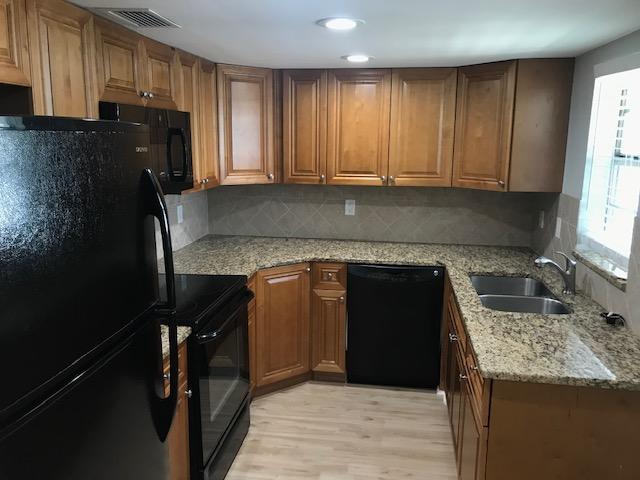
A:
(63, 59)
(511, 125)
(14, 44)
(246, 125)
(304, 131)
(358, 126)
(423, 104)
(282, 323)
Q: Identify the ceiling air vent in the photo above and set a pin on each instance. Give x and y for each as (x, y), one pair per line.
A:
(136, 17)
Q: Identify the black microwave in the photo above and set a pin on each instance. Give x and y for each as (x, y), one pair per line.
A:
(170, 141)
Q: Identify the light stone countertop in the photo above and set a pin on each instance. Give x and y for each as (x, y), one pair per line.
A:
(183, 333)
(574, 349)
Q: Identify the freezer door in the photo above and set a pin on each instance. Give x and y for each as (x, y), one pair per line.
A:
(102, 425)
(77, 247)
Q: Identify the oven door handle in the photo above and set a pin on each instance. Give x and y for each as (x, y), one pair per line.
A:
(218, 333)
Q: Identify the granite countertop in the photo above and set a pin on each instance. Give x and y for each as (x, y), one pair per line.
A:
(183, 333)
(574, 349)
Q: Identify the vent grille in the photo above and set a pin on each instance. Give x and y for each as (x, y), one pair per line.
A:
(137, 17)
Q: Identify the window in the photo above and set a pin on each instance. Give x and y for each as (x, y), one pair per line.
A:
(612, 179)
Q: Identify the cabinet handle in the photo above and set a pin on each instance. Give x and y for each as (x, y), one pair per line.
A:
(270, 176)
(341, 299)
(462, 377)
(453, 337)
(188, 393)
(322, 178)
(383, 178)
(501, 183)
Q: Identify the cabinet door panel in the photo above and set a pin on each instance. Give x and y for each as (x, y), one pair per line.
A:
(304, 126)
(63, 59)
(484, 121)
(328, 331)
(187, 89)
(358, 127)
(422, 123)
(282, 328)
(14, 44)
(119, 64)
(207, 166)
(245, 119)
(472, 442)
(160, 80)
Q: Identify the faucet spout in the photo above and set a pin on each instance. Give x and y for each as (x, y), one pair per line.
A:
(568, 273)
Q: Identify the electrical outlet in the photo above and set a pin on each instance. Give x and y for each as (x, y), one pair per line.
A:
(349, 207)
(180, 214)
(558, 227)
(541, 219)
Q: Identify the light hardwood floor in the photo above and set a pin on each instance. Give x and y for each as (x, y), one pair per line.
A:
(335, 432)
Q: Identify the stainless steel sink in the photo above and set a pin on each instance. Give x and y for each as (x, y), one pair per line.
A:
(517, 294)
(524, 286)
(522, 303)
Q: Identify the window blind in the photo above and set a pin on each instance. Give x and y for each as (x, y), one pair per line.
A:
(612, 179)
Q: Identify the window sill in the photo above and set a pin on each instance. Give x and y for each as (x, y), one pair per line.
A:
(601, 266)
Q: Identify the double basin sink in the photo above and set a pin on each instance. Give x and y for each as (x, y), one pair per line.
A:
(517, 294)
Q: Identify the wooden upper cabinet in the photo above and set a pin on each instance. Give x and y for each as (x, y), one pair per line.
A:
(206, 168)
(160, 75)
(304, 132)
(245, 123)
(14, 44)
(282, 323)
(119, 61)
(423, 102)
(358, 126)
(62, 43)
(484, 120)
(540, 124)
(187, 90)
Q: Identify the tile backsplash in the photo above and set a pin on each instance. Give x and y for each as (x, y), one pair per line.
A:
(430, 215)
(194, 223)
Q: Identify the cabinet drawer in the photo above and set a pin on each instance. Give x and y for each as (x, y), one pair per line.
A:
(460, 332)
(329, 276)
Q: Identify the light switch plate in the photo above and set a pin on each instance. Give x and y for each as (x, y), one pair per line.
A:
(180, 214)
(349, 207)
(558, 226)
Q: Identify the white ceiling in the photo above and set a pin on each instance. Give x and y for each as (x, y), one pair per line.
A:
(282, 33)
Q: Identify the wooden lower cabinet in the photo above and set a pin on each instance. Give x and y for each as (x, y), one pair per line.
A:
(472, 440)
(251, 321)
(328, 331)
(282, 323)
(178, 437)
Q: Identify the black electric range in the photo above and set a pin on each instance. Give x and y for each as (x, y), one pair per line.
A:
(215, 307)
(198, 296)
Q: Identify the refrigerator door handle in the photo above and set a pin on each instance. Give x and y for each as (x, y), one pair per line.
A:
(157, 207)
(173, 132)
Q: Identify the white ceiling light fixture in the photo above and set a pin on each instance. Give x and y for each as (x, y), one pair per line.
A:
(339, 23)
(357, 58)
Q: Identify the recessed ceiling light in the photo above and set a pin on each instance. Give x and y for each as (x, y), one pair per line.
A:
(357, 58)
(339, 23)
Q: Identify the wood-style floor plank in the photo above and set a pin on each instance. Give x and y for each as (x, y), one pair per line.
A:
(336, 432)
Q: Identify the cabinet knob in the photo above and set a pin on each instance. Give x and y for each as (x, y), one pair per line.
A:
(501, 183)
(188, 393)
(383, 178)
(150, 94)
(474, 368)
(308, 269)
(462, 377)
(322, 178)
(453, 337)
(341, 299)
(270, 176)
(392, 179)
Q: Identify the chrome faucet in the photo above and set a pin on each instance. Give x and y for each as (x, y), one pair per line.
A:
(568, 273)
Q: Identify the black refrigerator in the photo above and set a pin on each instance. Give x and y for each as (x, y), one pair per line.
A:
(82, 380)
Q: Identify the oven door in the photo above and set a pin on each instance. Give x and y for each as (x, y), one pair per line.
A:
(223, 371)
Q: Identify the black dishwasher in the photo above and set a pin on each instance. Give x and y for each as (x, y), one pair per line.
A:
(393, 329)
